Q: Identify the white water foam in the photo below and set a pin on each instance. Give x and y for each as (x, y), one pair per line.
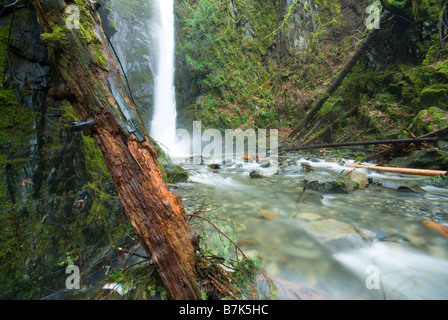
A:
(404, 273)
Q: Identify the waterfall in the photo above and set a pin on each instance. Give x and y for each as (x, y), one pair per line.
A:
(163, 124)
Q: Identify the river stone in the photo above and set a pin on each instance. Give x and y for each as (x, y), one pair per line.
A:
(403, 186)
(334, 234)
(255, 174)
(304, 253)
(332, 183)
(359, 177)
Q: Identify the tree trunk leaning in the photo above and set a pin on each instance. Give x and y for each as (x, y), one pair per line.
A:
(156, 215)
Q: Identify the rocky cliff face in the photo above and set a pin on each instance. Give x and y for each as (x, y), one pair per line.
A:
(58, 205)
(131, 37)
(245, 63)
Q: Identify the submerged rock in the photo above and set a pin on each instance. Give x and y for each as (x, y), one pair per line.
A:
(176, 174)
(256, 174)
(334, 234)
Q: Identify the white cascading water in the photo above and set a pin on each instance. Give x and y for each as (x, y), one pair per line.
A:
(163, 125)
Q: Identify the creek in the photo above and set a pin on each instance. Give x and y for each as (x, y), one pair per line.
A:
(371, 243)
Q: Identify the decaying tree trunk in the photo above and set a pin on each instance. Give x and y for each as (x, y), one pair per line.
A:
(92, 83)
(365, 45)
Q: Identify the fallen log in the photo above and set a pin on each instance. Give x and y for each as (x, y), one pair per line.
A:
(361, 143)
(422, 172)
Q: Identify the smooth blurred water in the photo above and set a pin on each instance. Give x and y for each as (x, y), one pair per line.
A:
(329, 241)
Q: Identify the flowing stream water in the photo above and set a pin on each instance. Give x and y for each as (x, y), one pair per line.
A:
(334, 243)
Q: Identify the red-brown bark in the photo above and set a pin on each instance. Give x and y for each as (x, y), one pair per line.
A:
(156, 215)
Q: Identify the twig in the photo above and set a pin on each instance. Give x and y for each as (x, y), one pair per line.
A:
(204, 218)
(8, 6)
(135, 254)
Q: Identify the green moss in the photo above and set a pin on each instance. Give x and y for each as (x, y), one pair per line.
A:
(57, 39)
(429, 121)
(95, 164)
(15, 121)
(100, 58)
(176, 174)
(436, 95)
(393, 5)
(4, 34)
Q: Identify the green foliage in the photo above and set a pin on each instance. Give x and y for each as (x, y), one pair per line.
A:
(218, 253)
(226, 60)
(429, 120)
(139, 281)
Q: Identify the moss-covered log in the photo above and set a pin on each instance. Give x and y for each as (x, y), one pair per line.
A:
(95, 89)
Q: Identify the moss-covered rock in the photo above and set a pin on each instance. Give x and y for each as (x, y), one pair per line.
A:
(58, 205)
(423, 159)
(175, 174)
(429, 120)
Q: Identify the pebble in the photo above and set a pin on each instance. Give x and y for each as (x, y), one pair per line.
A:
(308, 216)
